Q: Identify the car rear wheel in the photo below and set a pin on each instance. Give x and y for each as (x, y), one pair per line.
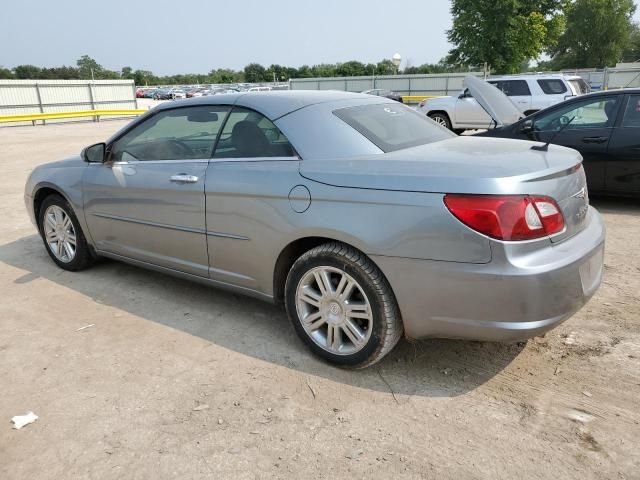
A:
(441, 119)
(62, 235)
(342, 306)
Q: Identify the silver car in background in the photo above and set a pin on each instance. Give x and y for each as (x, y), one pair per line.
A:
(364, 218)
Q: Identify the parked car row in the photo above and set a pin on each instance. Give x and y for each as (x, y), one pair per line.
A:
(190, 91)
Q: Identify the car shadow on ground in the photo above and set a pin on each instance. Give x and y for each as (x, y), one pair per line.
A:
(435, 368)
(616, 205)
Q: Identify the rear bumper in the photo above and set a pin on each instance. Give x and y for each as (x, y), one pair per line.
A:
(516, 296)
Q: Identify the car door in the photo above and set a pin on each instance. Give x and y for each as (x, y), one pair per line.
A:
(146, 201)
(623, 166)
(249, 197)
(469, 114)
(585, 125)
(517, 90)
(553, 91)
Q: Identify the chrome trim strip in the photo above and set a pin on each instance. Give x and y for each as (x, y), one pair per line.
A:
(170, 227)
(146, 222)
(254, 159)
(157, 162)
(227, 235)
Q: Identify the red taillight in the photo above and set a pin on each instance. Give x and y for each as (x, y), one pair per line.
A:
(507, 217)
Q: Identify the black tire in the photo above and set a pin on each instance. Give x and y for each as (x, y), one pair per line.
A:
(441, 118)
(386, 327)
(459, 131)
(83, 257)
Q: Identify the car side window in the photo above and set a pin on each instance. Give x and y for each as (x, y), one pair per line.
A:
(632, 113)
(595, 113)
(249, 134)
(515, 88)
(186, 133)
(552, 86)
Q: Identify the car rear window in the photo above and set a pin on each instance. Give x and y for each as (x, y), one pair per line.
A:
(392, 126)
(580, 86)
(552, 86)
(512, 88)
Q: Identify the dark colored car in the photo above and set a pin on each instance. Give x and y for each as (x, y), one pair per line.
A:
(380, 92)
(162, 94)
(603, 126)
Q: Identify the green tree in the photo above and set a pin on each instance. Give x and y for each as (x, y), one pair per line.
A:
(352, 68)
(597, 34)
(27, 72)
(503, 33)
(5, 73)
(144, 77)
(255, 73)
(385, 67)
(632, 51)
(126, 72)
(88, 68)
(222, 75)
(323, 70)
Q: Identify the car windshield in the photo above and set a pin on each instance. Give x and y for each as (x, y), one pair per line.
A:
(392, 127)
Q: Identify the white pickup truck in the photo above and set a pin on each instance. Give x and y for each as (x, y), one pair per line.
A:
(529, 93)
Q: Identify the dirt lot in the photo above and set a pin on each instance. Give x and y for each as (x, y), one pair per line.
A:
(175, 380)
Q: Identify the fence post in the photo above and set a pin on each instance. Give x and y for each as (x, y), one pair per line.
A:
(39, 103)
(410, 90)
(446, 86)
(93, 105)
(135, 97)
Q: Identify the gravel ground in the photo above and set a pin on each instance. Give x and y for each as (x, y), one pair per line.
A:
(175, 380)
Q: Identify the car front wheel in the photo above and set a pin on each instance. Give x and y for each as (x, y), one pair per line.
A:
(62, 235)
(342, 306)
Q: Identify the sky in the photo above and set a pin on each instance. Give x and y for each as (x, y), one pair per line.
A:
(195, 36)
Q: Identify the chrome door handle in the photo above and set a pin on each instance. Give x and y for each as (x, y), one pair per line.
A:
(184, 178)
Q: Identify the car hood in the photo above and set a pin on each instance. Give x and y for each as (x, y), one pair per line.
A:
(495, 103)
(458, 165)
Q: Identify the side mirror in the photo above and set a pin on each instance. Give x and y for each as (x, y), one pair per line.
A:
(527, 126)
(94, 153)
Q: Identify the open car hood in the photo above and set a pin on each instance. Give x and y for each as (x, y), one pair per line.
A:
(495, 103)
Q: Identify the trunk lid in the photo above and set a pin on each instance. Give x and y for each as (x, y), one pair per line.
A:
(467, 165)
(493, 101)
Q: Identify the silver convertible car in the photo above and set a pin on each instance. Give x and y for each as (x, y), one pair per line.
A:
(364, 218)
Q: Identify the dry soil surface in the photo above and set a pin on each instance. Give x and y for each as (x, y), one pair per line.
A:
(175, 380)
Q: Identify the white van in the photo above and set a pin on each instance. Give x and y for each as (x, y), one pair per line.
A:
(529, 93)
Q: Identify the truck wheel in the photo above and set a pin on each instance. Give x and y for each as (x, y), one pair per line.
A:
(441, 119)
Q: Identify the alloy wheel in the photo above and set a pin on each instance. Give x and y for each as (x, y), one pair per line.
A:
(334, 310)
(59, 233)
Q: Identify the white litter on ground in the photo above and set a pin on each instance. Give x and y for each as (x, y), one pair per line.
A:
(85, 327)
(20, 421)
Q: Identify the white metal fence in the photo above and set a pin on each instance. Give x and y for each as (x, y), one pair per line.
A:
(21, 97)
(428, 84)
(451, 83)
